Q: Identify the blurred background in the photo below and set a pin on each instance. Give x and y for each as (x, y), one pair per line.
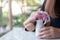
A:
(14, 12)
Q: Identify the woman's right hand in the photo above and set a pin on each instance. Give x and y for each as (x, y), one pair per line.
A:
(29, 24)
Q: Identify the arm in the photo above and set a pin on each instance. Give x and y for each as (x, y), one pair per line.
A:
(49, 33)
(33, 24)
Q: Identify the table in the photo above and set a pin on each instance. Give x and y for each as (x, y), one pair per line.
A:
(20, 34)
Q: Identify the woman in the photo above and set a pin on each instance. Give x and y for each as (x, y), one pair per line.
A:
(52, 7)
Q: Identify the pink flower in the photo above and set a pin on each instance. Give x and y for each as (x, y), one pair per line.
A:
(40, 15)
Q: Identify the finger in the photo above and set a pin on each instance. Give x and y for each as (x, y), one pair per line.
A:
(44, 33)
(44, 29)
(30, 26)
(46, 36)
(29, 20)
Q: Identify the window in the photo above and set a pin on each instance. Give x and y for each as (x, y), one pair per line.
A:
(19, 10)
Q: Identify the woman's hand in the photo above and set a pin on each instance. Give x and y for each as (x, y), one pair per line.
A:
(49, 32)
(29, 24)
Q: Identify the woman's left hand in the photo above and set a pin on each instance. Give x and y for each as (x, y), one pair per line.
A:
(49, 32)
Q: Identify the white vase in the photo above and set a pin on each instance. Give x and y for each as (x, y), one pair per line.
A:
(39, 25)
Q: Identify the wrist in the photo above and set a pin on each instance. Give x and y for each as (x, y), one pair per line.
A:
(57, 33)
